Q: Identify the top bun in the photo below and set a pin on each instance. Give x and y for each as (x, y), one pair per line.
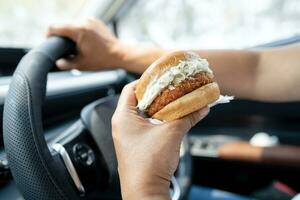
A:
(157, 68)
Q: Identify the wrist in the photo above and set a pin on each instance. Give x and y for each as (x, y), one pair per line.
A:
(137, 195)
(136, 58)
(144, 188)
(123, 54)
(145, 196)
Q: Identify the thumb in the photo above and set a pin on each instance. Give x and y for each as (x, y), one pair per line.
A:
(127, 97)
(65, 64)
(69, 63)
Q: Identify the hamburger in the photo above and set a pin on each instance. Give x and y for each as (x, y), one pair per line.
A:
(176, 85)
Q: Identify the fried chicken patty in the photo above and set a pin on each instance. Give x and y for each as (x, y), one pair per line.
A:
(169, 95)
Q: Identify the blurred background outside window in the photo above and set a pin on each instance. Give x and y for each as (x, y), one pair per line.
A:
(210, 23)
(24, 22)
(165, 23)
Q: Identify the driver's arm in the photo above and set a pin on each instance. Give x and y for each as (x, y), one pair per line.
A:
(267, 75)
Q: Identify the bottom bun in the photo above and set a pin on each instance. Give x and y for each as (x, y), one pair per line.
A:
(189, 103)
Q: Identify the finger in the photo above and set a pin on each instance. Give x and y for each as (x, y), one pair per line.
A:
(69, 63)
(65, 64)
(127, 97)
(64, 30)
(186, 123)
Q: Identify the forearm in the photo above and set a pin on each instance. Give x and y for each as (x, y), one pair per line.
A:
(278, 74)
(137, 195)
(266, 75)
(135, 186)
(234, 70)
(137, 59)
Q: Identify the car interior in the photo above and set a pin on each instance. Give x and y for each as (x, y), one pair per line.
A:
(57, 131)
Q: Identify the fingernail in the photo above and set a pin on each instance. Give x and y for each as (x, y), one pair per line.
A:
(60, 62)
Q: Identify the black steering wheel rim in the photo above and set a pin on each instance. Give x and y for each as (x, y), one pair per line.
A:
(33, 167)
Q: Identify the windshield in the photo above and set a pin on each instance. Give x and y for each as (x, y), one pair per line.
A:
(24, 22)
(210, 23)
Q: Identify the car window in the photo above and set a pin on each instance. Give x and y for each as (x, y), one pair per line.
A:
(24, 22)
(210, 23)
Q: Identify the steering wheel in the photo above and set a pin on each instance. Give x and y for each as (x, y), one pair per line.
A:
(81, 162)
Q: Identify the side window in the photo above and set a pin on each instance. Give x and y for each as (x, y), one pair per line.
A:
(24, 23)
(210, 23)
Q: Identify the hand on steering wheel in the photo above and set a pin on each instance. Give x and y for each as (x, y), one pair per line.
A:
(97, 47)
(147, 154)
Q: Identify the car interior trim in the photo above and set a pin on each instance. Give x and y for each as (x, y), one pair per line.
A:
(69, 165)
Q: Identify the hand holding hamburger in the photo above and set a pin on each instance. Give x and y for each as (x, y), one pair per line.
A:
(176, 85)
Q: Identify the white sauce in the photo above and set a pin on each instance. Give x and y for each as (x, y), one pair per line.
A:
(183, 70)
